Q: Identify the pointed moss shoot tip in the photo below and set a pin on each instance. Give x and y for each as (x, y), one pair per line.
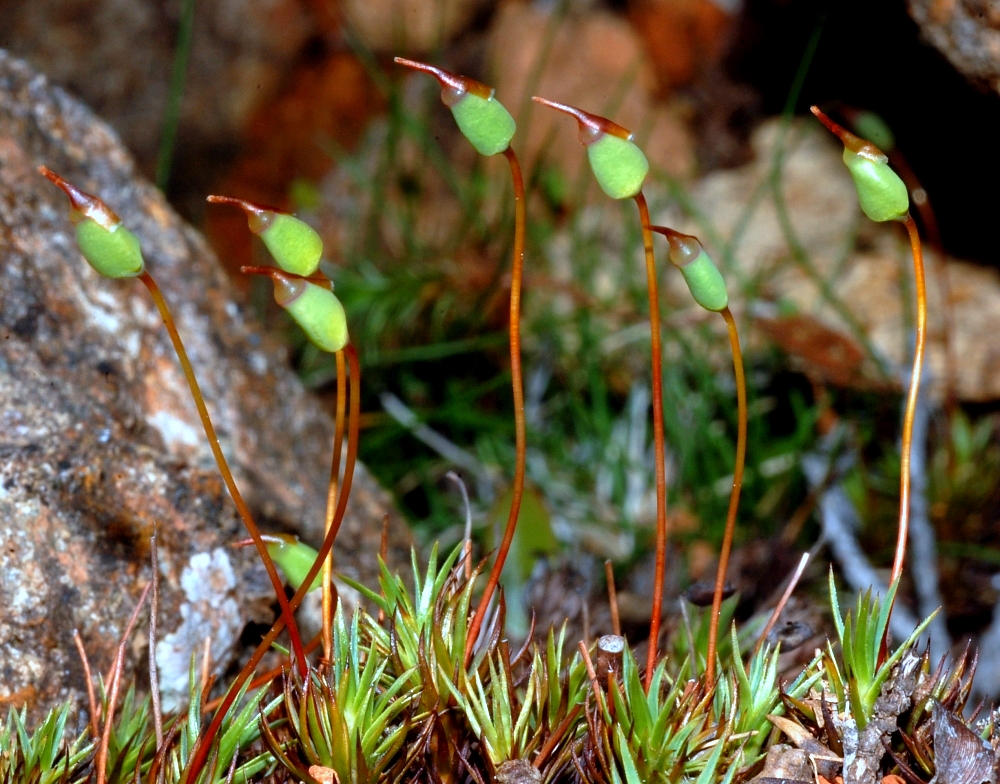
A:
(294, 244)
(293, 557)
(702, 276)
(481, 118)
(617, 162)
(314, 307)
(105, 243)
(881, 193)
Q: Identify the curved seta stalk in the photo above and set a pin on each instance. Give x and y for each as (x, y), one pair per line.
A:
(911, 398)
(734, 495)
(331, 502)
(517, 269)
(227, 475)
(658, 441)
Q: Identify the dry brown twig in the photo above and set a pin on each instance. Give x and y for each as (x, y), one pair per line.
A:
(91, 697)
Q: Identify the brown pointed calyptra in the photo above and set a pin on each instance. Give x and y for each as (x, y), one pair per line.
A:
(105, 243)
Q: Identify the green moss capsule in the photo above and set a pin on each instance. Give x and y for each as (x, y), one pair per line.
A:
(617, 162)
(703, 278)
(105, 243)
(619, 166)
(294, 558)
(114, 252)
(706, 283)
(484, 122)
(881, 193)
(293, 243)
(481, 118)
(315, 309)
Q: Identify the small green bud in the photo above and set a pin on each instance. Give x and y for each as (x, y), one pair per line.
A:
(293, 557)
(315, 308)
(481, 118)
(294, 244)
(105, 243)
(703, 278)
(617, 162)
(881, 193)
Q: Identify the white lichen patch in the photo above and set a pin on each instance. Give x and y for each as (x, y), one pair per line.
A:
(173, 429)
(100, 308)
(210, 611)
(258, 362)
(172, 412)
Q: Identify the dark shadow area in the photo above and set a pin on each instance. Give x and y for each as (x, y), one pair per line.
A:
(872, 57)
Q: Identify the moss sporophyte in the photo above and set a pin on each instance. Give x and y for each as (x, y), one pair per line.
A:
(881, 193)
(481, 118)
(882, 196)
(488, 126)
(114, 252)
(620, 168)
(708, 288)
(312, 305)
(105, 243)
(429, 684)
(294, 244)
(307, 296)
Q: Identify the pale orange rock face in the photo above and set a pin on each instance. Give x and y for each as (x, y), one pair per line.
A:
(595, 58)
(323, 775)
(407, 27)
